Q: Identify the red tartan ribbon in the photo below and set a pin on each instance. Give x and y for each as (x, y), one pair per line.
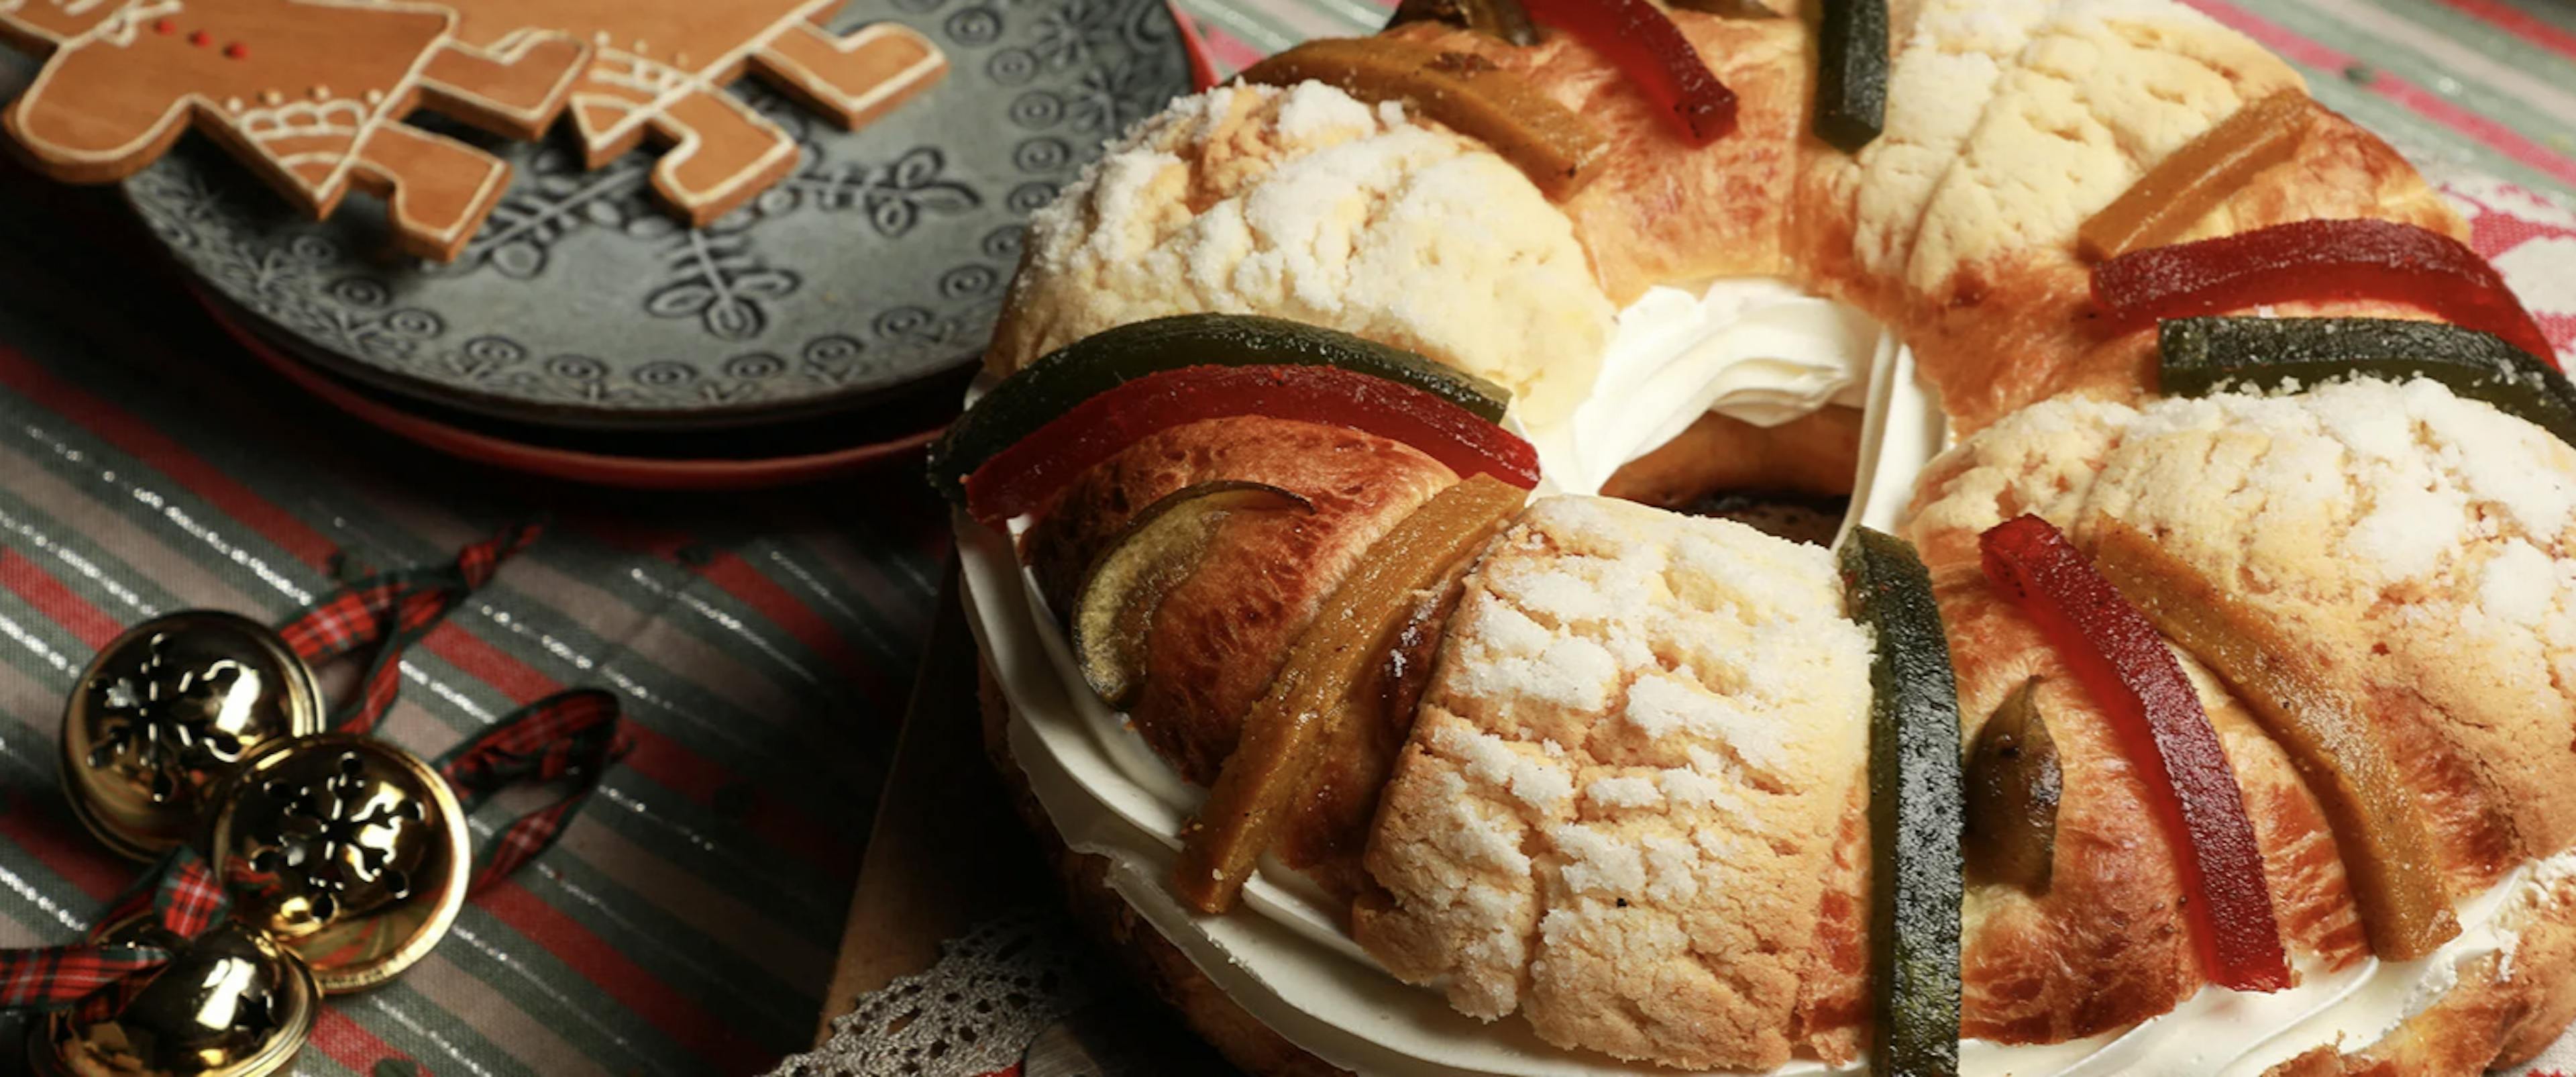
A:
(393, 610)
(569, 737)
(99, 977)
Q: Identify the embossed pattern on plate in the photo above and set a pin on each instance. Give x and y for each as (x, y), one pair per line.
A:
(882, 258)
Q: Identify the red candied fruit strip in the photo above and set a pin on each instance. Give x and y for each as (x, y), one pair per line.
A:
(1028, 474)
(1645, 45)
(2124, 666)
(2315, 260)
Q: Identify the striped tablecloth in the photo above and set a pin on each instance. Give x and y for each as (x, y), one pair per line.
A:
(761, 643)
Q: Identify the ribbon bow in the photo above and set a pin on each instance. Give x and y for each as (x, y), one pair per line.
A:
(392, 610)
(569, 736)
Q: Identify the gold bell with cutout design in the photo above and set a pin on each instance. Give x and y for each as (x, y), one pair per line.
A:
(348, 850)
(233, 1003)
(166, 712)
(346, 857)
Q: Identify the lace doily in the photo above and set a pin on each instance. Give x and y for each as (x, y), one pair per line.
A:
(995, 990)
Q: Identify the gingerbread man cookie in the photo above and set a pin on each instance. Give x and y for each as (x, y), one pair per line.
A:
(660, 69)
(310, 93)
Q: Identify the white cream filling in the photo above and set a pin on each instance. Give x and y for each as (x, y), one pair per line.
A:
(1754, 348)
(1286, 960)
(1747, 349)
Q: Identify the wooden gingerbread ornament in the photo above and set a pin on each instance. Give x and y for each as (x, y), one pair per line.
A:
(660, 69)
(309, 93)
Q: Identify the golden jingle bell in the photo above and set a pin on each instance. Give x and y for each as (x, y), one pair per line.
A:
(233, 1003)
(165, 712)
(350, 851)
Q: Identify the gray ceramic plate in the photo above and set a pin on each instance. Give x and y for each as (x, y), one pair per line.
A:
(582, 302)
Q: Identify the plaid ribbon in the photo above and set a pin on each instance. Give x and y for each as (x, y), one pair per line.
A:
(566, 739)
(393, 610)
(100, 977)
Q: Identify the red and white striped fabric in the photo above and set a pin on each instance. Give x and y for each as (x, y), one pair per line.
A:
(2531, 238)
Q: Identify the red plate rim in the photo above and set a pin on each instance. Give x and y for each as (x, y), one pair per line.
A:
(1202, 63)
(600, 469)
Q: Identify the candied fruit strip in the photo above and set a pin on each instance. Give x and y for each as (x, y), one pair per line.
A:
(2013, 788)
(1851, 73)
(1054, 383)
(2150, 705)
(1027, 476)
(2315, 260)
(1113, 609)
(1502, 19)
(1559, 150)
(1915, 806)
(2198, 356)
(2386, 846)
(2193, 180)
(1326, 682)
(1642, 42)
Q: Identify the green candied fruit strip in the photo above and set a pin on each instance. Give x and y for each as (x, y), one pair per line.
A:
(1851, 73)
(1043, 390)
(1916, 804)
(2203, 355)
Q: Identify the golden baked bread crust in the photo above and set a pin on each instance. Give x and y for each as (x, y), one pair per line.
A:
(2366, 518)
(1815, 453)
(2106, 944)
(1624, 785)
(1662, 210)
(1957, 229)
(1303, 203)
(1222, 633)
(2493, 1017)
(2005, 331)
(1853, 218)
(1936, 228)
(1832, 1015)
(2501, 1012)
(2395, 529)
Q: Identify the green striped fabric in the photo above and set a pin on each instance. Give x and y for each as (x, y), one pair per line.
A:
(762, 645)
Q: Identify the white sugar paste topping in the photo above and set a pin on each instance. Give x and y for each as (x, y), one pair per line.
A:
(1305, 203)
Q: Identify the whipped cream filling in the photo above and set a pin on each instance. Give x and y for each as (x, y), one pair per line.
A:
(1748, 349)
(1286, 960)
(1753, 348)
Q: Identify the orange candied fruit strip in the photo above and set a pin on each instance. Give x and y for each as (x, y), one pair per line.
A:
(2386, 846)
(1559, 150)
(1326, 682)
(2193, 180)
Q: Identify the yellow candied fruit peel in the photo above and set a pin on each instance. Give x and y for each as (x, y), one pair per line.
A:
(1327, 681)
(2193, 180)
(1559, 150)
(2386, 845)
